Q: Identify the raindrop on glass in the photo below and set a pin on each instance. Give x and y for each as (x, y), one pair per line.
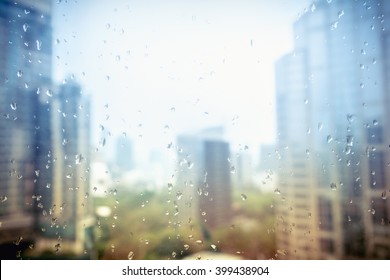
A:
(17, 241)
(14, 106)
(19, 73)
(39, 45)
(232, 170)
(244, 197)
(333, 186)
(384, 195)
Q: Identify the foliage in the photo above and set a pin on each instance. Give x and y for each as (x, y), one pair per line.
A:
(143, 226)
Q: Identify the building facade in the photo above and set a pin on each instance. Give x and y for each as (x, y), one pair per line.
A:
(25, 76)
(44, 141)
(204, 181)
(334, 134)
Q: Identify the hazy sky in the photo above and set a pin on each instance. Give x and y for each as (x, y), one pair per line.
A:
(156, 68)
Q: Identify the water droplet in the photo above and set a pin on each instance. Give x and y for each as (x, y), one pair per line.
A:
(375, 122)
(384, 195)
(49, 93)
(214, 247)
(350, 140)
(334, 25)
(103, 142)
(282, 252)
(190, 164)
(313, 7)
(329, 138)
(79, 158)
(19, 73)
(186, 246)
(48, 186)
(39, 45)
(69, 175)
(173, 254)
(179, 195)
(232, 169)
(14, 106)
(277, 191)
(170, 187)
(3, 198)
(25, 27)
(244, 197)
(333, 186)
(341, 13)
(118, 58)
(17, 241)
(200, 242)
(108, 26)
(349, 218)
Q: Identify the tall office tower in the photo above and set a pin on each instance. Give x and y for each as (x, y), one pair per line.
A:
(204, 181)
(334, 133)
(25, 77)
(68, 222)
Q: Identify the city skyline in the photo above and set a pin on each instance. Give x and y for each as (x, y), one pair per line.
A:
(189, 56)
(144, 130)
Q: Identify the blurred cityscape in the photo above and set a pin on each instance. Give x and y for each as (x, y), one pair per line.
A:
(320, 191)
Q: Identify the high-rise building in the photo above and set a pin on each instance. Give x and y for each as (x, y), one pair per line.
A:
(44, 141)
(204, 181)
(25, 76)
(70, 214)
(334, 133)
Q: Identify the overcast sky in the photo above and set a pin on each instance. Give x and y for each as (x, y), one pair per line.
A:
(157, 68)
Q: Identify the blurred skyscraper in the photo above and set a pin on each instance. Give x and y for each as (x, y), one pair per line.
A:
(204, 181)
(71, 214)
(334, 133)
(25, 76)
(36, 201)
